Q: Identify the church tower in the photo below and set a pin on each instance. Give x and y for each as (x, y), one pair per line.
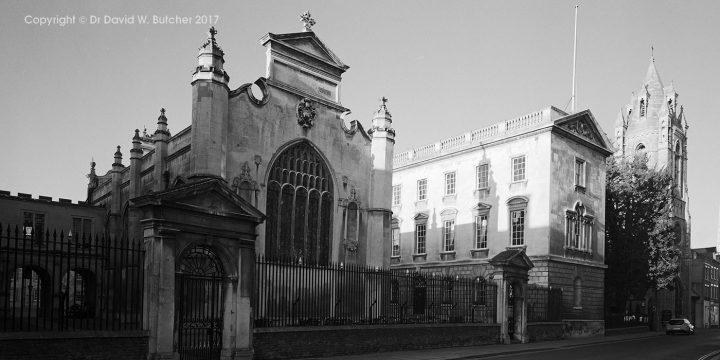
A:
(654, 124)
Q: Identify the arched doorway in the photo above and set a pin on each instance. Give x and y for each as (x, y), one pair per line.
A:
(299, 206)
(199, 304)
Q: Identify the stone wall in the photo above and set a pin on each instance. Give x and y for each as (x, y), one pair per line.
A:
(563, 274)
(543, 331)
(284, 343)
(583, 328)
(96, 345)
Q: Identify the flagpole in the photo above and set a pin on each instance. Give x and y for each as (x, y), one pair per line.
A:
(574, 98)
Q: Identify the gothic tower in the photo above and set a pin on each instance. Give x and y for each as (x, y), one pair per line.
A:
(654, 124)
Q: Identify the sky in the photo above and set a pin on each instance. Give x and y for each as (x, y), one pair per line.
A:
(72, 93)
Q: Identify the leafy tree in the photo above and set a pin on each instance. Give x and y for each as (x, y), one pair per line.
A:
(640, 251)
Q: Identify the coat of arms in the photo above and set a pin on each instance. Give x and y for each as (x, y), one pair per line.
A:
(306, 113)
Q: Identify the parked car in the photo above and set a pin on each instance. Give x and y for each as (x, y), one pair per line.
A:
(679, 325)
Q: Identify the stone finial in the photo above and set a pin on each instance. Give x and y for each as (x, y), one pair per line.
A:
(162, 124)
(92, 166)
(118, 158)
(307, 20)
(137, 135)
(383, 106)
(162, 117)
(212, 42)
(652, 53)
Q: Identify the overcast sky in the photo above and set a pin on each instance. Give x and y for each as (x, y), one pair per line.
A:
(72, 93)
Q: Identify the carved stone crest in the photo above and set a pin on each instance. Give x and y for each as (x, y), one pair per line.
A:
(306, 113)
(582, 129)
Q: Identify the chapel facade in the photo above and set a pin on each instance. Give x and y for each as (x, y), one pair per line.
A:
(532, 186)
(321, 180)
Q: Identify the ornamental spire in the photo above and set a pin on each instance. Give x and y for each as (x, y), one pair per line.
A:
(308, 21)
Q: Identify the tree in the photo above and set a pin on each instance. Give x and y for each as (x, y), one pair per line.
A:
(641, 251)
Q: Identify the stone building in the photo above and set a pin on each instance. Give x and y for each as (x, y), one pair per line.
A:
(532, 187)
(44, 215)
(653, 123)
(283, 175)
(292, 154)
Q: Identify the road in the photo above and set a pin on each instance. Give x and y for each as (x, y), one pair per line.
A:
(660, 347)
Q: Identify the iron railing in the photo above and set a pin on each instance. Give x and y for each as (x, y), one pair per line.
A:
(289, 293)
(543, 303)
(57, 282)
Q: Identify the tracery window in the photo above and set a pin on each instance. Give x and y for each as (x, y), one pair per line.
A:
(299, 206)
(642, 107)
(578, 231)
(678, 167)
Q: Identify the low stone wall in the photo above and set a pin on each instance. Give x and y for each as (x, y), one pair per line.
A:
(583, 328)
(542, 331)
(284, 343)
(95, 345)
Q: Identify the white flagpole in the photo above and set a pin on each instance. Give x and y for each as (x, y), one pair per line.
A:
(574, 98)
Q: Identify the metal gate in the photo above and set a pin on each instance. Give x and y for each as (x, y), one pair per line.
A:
(199, 293)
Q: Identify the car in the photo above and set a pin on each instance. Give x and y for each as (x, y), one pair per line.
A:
(679, 325)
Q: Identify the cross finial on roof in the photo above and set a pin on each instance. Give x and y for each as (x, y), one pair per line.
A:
(212, 32)
(384, 101)
(652, 53)
(307, 20)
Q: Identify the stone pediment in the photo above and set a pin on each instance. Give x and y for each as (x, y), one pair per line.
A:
(308, 43)
(209, 196)
(583, 126)
(513, 258)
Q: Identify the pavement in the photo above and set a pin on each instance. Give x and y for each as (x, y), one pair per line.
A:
(483, 351)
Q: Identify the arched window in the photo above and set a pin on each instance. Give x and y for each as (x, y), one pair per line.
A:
(577, 293)
(299, 206)
(642, 107)
(24, 292)
(640, 150)
(78, 293)
(678, 167)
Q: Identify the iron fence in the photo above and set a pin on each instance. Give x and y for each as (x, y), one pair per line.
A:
(290, 293)
(58, 282)
(543, 303)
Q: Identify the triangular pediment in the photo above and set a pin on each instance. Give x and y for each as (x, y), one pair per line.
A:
(209, 196)
(312, 46)
(516, 258)
(583, 126)
(308, 43)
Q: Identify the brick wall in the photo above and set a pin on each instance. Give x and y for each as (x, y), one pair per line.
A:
(283, 343)
(74, 346)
